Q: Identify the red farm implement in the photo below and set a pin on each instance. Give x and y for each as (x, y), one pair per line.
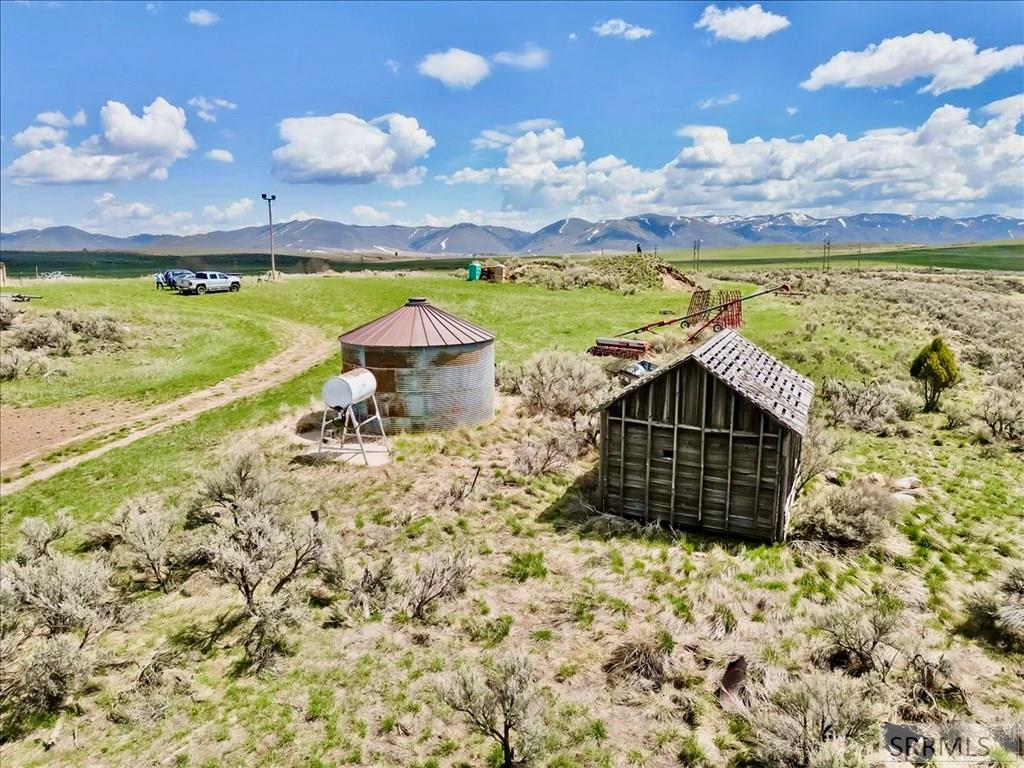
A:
(725, 312)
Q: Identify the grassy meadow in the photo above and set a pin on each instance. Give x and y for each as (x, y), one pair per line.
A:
(361, 683)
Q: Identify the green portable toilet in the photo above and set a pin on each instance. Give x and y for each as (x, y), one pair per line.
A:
(474, 270)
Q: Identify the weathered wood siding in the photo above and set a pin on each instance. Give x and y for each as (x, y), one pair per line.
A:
(687, 450)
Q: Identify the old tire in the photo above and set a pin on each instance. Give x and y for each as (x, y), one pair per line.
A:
(200, 290)
(234, 287)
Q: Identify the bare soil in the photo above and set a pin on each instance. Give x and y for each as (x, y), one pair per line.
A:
(33, 433)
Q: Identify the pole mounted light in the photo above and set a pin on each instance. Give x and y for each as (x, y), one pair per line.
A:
(270, 215)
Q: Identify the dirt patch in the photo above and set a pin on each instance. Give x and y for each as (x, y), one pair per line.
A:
(26, 433)
(304, 348)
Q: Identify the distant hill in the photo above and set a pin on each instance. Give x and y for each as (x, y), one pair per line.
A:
(314, 237)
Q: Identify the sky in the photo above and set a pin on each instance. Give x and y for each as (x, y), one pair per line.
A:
(174, 117)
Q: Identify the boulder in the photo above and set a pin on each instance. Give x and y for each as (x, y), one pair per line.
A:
(904, 498)
(906, 483)
(832, 477)
(876, 478)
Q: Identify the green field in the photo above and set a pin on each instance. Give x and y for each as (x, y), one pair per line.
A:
(989, 256)
(362, 690)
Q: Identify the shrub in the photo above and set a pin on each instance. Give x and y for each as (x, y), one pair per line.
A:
(818, 452)
(256, 552)
(40, 332)
(1002, 411)
(67, 594)
(644, 658)
(564, 384)
(37, 535)
(143, 527)
(19, 364)
(244, 482)
(855, 515)
(99, 328)
(810, 721)
(860, 640)
(7, 315)
(373, 593)
(935, 369)
(500, 706)
(443, 577)
(267, 640)
(999, 615)
(527, 565)
(868, 406)
(52, 670)
(539, 458)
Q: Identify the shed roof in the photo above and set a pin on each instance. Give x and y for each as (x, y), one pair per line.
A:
(749, 371)
(417, 323)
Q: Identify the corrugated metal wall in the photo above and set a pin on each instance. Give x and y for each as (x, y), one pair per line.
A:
(421, 389)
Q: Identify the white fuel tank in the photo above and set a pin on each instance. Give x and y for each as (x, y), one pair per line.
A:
(349, 388)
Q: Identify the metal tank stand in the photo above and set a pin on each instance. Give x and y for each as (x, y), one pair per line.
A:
(348, 419)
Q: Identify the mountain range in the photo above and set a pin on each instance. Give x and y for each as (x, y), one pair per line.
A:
(313, 237)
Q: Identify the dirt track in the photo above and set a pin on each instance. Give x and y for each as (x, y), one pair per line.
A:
(304, 348)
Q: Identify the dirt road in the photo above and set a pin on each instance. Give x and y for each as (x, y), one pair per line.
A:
(304, 347)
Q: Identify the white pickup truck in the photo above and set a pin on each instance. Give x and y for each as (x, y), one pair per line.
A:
(209, 282)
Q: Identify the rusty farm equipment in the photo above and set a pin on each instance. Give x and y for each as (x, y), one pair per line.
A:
(726, 312)
(628, 349)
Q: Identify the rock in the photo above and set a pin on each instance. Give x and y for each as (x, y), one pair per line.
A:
(906, 483)
(904, 498)
(832, 477)
(734, 680)
(876, 478)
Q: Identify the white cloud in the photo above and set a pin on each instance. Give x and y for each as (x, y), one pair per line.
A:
(130, 147)
(621, 28)
(114, 216)
(536, 124)
(154, 6)
(367, 214)
(741, 24)
(206, 108)
(29, 222)
(791, 111)
(395, 203)
(950, 63)
(572, 35)
(549, 145)
(229, 213)
(302, 216)
(392, 66)
(343, 148)
(948, 164)
(60, 120)
(502, 137)
(37, 136)
(718, 101)
(202, 18)
(220, 155)
(455, 68)
(531, 57)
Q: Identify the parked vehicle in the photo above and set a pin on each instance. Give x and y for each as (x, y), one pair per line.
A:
(173, 276)
(210, 282)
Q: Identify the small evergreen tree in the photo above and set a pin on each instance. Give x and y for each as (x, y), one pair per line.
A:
(936, 370)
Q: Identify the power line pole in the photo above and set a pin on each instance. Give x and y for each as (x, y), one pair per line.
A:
(696, 255)
(270, 215)
(826, 253)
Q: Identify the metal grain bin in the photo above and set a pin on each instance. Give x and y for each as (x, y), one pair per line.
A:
(434, 371)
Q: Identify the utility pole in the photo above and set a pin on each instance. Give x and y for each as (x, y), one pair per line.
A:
(826, 253)
(270, 214)
(859, 247)
(696, 255)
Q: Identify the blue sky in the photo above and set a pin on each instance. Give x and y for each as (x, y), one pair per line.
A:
(173, 117)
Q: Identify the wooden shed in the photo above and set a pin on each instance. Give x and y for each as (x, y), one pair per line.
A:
(710, 441)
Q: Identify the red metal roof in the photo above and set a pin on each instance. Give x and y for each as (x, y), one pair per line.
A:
(417, 324)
